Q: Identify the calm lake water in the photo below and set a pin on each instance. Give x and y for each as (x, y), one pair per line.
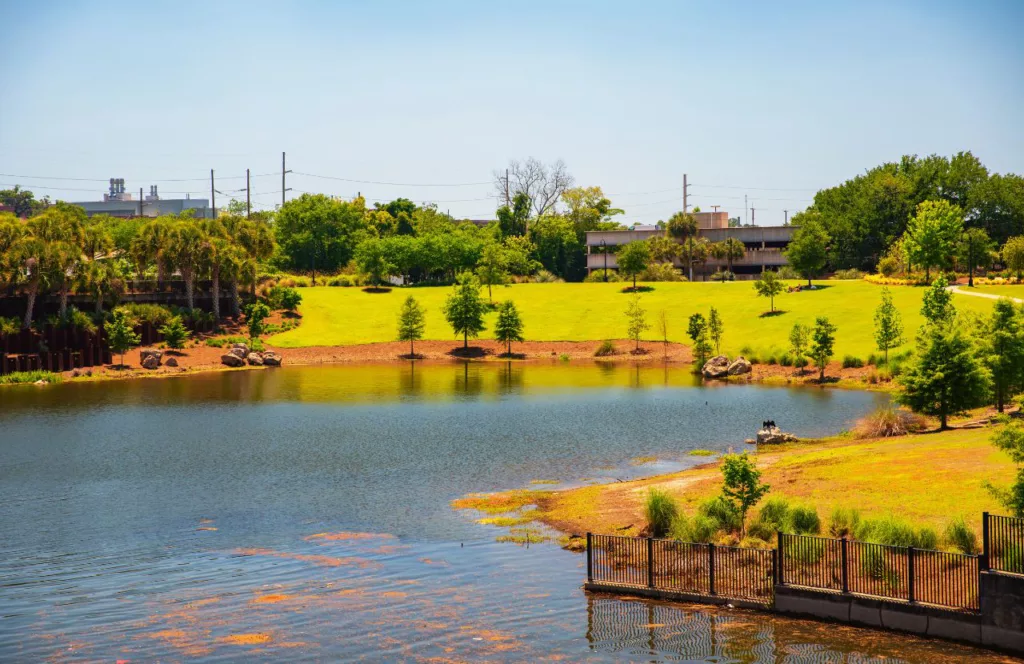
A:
(303, 514)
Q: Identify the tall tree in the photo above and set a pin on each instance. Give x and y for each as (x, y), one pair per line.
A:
(823, 339)
(636, 318)
(189, 252)
(317, 232)
(464, 310)
(514, 220)
(509, 326)
(697, 330)
(933, 233)
(937, 303)
(22, 201)
(888, 325)
(808, 251)
(682, 227)
(542, 184)
(372, 260)
(588, 209)
(493, 267)
(729, 250)
(633, 259)
(974, 250)
(1003, 351)
(411, 323)
(769, 285)
(1013, 255)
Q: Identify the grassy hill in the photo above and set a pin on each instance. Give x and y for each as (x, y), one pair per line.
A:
(581, 312)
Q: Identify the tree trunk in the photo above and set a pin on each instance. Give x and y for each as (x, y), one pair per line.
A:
(412, 349)
(808, 280)
(465, 340)
(821, 375)
(634, 282)
(689, 256)
(189, 290)
(99, 302)
(236, 307)
(33, 290)
(161, 274)
(927, 273)
(943, 425)
(62, 313)
(489, 298)
(215, 291)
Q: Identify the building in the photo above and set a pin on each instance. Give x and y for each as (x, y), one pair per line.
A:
(120, 203)
(764, 245)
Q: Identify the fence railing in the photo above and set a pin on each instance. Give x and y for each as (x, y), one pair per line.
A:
(685, 567)
(892, 572)
(1003, 538)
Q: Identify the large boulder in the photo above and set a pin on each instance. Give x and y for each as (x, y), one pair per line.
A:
(716, 367)
(150, 352)
(232, 360)
(255, 359)
(774, 437)
(150, 362)
(171, 362)
(739, 366)
(271, 359)
(240, 350)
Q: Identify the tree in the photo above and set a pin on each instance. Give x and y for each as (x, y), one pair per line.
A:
(741, 484)
(542, 184)
(974, 250)
(513, 221)
(588, 209)
(808, 250)
(493, 267)
(932, 234)
(22, 201)
(697, 330)
(799, 338)
(508, 327)
(633, 259)
(729, 250)
(945, 377)
(317, 232)
(1010, 439)
(715, 328)
(1013, 255)
(464, 310)
(888, 325)
(284, 297)
(1003, 351)
(636, 318)
(372, 260)
(189, 251)
(557, 245)
(120, 331)
(937, 303)
(769, 285)
(823, 339)
(518, 251)
(663, 330)
(255, 314)
(174, 333)
(682, 226)
(411, 323)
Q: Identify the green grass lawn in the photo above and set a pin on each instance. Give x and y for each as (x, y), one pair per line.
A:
(1008, 291)
(580, 312)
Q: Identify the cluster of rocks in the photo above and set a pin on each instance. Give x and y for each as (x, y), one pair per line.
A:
(774, 436)
(152, 358)
(720, 367)
(240, 355)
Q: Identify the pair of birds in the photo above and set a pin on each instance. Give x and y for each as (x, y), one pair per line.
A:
(768, 424)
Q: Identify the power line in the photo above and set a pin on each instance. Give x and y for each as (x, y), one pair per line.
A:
(392, 184)
(54, 177)
(729, 186)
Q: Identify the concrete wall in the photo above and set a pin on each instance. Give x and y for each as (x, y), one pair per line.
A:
(1002, 611)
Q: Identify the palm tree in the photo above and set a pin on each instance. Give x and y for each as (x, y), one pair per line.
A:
(729, 249)
(11, 231)
(700, 252)
(102, 278)
(49, 253)
(683, 227)
(152, 246)
(188, 251)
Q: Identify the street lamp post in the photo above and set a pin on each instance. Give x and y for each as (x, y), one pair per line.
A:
(604, 250)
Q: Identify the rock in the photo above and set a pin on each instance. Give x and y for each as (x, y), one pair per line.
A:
(576, 544)
(739, 366)
(254, 359)
(232, 360)
(150, 352)
(774, 437)
(150, 362)
(40, 382)
(716, 367)
(241, 350)
(750, 441)
(272, 359)
(171, 362)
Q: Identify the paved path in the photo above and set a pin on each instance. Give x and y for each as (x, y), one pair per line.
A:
(990, 296)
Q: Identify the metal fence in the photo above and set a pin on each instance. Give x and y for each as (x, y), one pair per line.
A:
(699, 569)
(1004, 543)
(891, 572)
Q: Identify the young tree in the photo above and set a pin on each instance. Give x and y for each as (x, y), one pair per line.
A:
(808, 250)
(937, 303)
(1003, 351)
(769, 285)
(411, 323)
(509, 327)
(932, 234)
(1010, 439)
(945, 378)
(741, 484)
(1013, 255)
(255, 314)
(697, 330)
(636, 317)
(823, 339)
(799, 338)
(175, 333)
(888, 325)
(715, 329)
(974, 250)
(493, 266)
(121, 333)
(663, 329)
(633, 259)
(464, 310)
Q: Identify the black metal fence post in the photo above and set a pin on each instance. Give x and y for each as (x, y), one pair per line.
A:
(650, 562)
(910, 574)
(711, 568)
(984, 563)
(590, 560)
(844, 560)
(782, 559)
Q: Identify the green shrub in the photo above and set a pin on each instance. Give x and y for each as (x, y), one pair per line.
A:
(282, 297)
(256, 346)
(809, 551)
(852, 362)
(340, 281)
(786, 360)
(661, 272)
(888, 266)
(960, 536)
(605, 349)
(787, 272)
(19, 377)
(774, 513)
(154, 314)
(851, 273)
(893, 531)
(762, 531)
(803, 521)
(9, 325)
(800, 362)
(545, 277)
(699, 529)
(597, 276)
(221, 342)
(74, 319)
(722, 512)
(724, 275)
(660, 510)
(174, 333)
(843, 522)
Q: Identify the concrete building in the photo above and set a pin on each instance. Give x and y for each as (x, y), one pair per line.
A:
(764, 245)
(118, 202)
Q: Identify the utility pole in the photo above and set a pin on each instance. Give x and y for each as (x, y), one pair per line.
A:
(248, 196)
(213, 196)
(744, 209)
(140, 201)
(686, 205)
(786, 222)
(283, 171)
(753, 219)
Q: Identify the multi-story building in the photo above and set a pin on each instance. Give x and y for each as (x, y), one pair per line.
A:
(764, 245)
(120, 203)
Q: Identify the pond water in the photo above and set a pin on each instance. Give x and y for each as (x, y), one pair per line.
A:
(303, 514)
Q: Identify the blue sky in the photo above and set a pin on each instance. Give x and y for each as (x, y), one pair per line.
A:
(773, 102)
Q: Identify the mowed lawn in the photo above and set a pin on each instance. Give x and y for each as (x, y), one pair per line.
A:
(1007, 291)
(583, 312)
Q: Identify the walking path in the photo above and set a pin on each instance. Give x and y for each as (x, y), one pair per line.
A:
(956, 289)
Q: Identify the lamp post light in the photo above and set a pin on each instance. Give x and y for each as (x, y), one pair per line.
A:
(604, 250)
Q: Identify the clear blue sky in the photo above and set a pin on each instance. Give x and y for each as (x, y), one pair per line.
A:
(771, 102)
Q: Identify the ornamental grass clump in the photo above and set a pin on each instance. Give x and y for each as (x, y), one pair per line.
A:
(961, 537)
(660, 510)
